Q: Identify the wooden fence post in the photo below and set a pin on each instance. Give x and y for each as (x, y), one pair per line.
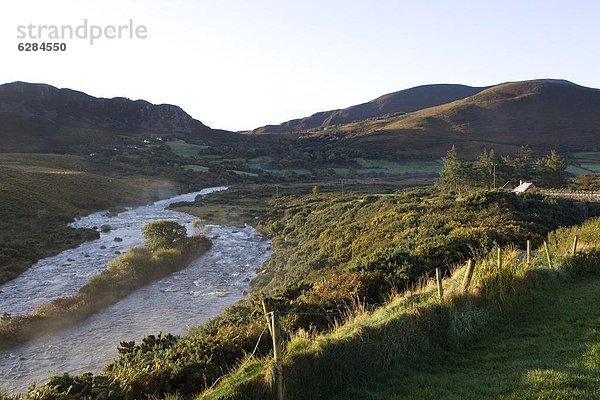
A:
(266, 311)
(438, 278)
(528, 252)
(499, 258)
(575, 240)
(277, 355)
(548, 254)
(468, 275)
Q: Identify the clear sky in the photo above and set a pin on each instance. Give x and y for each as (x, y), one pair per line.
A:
(240, 64)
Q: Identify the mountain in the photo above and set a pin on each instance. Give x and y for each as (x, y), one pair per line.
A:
(40, 117)
(403, 101)
(543, 113)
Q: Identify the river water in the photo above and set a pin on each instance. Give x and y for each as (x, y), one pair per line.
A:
(191, 296)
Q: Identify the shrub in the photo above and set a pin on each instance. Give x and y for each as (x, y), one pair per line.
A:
(163, 234)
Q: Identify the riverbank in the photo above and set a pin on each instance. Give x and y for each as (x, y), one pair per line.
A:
(175, 303)
(126, 273)
(65, 273)
(504, 335)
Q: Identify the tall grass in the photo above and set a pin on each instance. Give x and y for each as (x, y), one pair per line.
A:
(561, 240)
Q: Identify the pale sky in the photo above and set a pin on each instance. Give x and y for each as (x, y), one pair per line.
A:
(241, 64)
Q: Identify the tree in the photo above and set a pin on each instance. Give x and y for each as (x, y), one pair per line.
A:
(552, 170)
(484, 169)
(163, 234)
(522, 164)
(453, 176)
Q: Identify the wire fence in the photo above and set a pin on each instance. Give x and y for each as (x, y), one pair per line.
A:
(272, 317)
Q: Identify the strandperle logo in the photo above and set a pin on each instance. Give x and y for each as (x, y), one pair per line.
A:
(85, 31)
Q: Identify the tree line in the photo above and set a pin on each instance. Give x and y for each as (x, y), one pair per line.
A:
(491, 170)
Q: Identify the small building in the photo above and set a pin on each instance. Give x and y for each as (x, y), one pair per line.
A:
(524, 187)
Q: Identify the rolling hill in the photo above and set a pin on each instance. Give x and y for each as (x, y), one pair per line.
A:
(403, 101)
(545, 114)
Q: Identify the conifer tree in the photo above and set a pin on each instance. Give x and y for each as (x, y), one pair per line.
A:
(523, 165)
(552, 170)
(453, 176)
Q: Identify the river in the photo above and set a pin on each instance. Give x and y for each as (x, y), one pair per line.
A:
(188, 297)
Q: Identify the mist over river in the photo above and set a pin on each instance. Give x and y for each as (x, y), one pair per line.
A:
(188, 297)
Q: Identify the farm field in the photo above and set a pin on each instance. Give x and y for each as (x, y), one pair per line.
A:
(584, 163)
(184, 149)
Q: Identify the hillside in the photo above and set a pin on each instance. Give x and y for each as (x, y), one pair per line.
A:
(545, 114)
(43, 118)
(403, 101)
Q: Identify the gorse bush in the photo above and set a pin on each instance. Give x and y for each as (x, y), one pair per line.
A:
(408, 233)
(133, 262)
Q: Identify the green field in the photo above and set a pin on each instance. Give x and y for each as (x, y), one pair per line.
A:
(195, 168)
(244, 173)
(584, 163)
(360, 167)
(184, 149)
(398, 168)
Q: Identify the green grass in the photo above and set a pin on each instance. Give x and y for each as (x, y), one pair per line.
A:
(365, 167)
(522, 332)
(398, 168)
(244, 173)
(263, 163)
(546, 348)
(266, 164)
(195, 168)
(184, 149)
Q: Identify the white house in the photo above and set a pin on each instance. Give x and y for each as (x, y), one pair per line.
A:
(524, 187)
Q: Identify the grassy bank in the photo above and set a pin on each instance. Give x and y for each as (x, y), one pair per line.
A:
(458, 348)
(124, 274)
(546, 347)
